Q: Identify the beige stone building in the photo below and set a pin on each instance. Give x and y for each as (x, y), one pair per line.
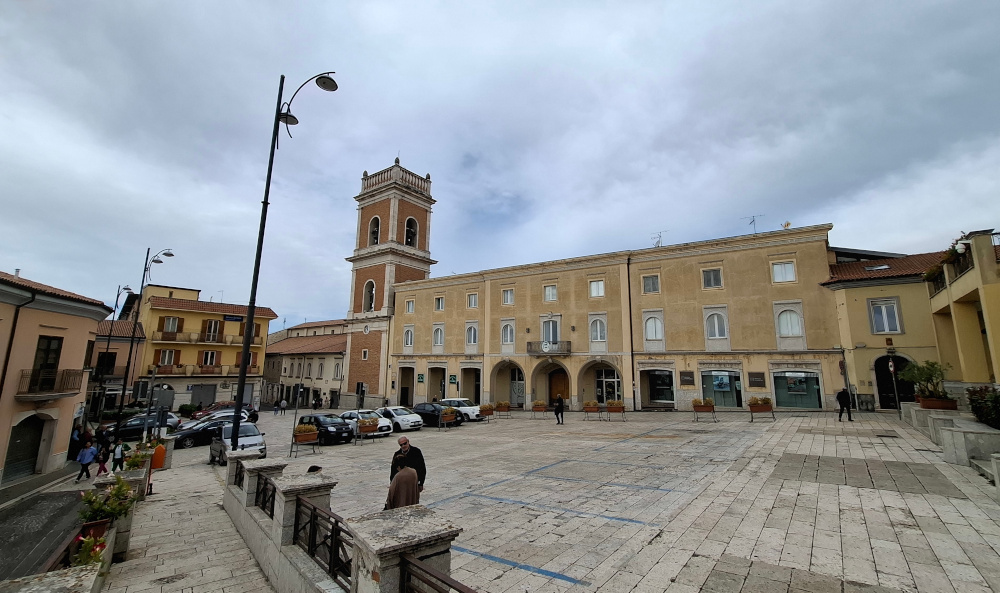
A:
(47, 339)
(314, 361)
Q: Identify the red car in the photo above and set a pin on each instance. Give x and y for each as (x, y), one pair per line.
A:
(221, 405)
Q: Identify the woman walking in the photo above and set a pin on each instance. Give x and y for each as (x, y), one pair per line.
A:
(85, 457)
(103, 454)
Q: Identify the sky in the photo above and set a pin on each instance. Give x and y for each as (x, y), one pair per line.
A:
(550, 130)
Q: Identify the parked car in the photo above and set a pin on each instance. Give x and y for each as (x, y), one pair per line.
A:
(384, 426)
(430, 412)
(250, 439)
(402, 418)
(332, 428)
(216, 415)
(173, 420)
(134, 428)
(221, 405)
(468, 409)
(201, 433)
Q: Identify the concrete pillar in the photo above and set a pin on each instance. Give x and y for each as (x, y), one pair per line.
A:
(257, 470)
(995, 460)
(380, 539)
(234, 459)
(313, 487)
(971, 353)
(168, 443)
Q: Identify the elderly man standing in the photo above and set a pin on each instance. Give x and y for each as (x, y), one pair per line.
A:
(414, 459)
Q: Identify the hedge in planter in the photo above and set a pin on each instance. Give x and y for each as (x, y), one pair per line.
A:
(928, 380)
(985, 404)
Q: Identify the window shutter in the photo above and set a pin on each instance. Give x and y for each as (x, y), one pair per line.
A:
(180, 324)
(204, 326)
(159, 324)
(158, 353)
(218, 357)
(256, 330)
(177, 356)
(253, 359)
(201, 355)
(239, 357)
(243, 329)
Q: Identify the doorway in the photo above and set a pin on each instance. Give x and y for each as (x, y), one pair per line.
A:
(558, 385)
(22, 450)
(470, 384)
(883, 382)
(46, 366)
(406, 386)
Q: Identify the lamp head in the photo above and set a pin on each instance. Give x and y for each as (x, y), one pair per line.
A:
(326, 82)
(960, 247)
(288, 119)
(167, 253)
(156, 260)
(127, 290)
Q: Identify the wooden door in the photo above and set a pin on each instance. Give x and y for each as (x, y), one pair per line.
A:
(558, 385)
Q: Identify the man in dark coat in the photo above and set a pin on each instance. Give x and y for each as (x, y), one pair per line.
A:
(844, 400)
(559, 409)
(414, 458)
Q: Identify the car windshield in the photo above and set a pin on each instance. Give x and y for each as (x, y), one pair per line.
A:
(329, 420)
(246, 430)
(460, 403)
(402, 411)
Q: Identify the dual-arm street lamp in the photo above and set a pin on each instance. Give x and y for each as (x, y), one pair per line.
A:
(102, 371)
(282, 114)
(134, 313)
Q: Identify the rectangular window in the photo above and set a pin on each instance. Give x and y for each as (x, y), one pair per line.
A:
(473, 300)
(783, 271)
(507, 296)
(596, 288)
(364, 354)
(166, 357)
(712, 278)
(208, 358)
(650, 284)
(170, 324)
(439, 303)
(409, 306)
(550, 292)
(884, 316)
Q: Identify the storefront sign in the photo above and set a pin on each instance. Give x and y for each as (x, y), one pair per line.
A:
(756, 379)
(452, 379)
(233, 318)
(420, 378)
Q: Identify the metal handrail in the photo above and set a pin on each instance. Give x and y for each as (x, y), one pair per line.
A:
(49, 381)
(963, 263)
(325, 537)
(264, 496)
(412, 570)
(240, 476)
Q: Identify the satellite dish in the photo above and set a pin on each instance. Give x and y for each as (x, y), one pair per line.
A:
(786, 224)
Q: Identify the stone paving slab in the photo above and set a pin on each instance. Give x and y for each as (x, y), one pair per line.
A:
(917, 478)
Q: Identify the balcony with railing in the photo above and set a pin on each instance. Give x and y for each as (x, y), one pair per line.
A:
(549, 348)
(396, 174)
(44, 385)
(203, 338)
(963, 262)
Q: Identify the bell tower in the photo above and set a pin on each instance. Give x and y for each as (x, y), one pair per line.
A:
(393, 245)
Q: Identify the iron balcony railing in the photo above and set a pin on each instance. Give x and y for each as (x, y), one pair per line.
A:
(419, 577)
(548, 348)
(170, 336)
(211, 338)
(325, 537)
(264, 496)
(963, 263)
(108, 372)
(49, 381)
(938, 284)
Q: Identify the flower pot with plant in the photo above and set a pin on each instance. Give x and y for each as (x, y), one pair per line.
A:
(538, 406)
(305, 433)
(928, 382)
(615, 406)
(503, 406)
(448, 415)
(704, 406)
(485, 409)
(591, 406)
(760, 405)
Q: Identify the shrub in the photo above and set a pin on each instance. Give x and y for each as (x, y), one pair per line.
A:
(485, 408)
(591, 404)
(90, 551)
(696, 402)
(363, 422)
(985, 404)
(616, 403)
(927, 377)
(753, 401)
(759, 401)
(110, 504)
(136, 460)
(538, 403)
(503, 405)
(765, 401)
(709, 401)
(449, 411)
(186, 410)
(307, 428)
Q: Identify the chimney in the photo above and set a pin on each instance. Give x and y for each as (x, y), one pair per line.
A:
(17, 272)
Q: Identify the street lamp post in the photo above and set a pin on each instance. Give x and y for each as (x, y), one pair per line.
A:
(147, 264)
(282, 114)
(107, 348)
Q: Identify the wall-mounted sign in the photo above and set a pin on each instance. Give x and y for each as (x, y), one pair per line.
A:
(420, 377)
(233, 318)
(756, 379)
(452, 379)
(687, 377)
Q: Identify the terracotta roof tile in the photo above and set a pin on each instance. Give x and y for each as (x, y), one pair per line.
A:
(122, 329)
(319, 323)
(207, 307)
(326, 344)
(897, 267)
(26, 284)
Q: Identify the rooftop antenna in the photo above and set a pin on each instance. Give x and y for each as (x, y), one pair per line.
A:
(753, 221)
(222, 296)
(657, 238)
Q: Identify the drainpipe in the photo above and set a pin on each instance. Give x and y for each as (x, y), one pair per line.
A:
(631, 343)
(10, 340)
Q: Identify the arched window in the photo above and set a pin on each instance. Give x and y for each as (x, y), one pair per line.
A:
(654, 329)
(369, 299)
(507, 334)
(789, 324)
(408, 337)
(715, 326)
(373, 231)
(336, 371)
(319, 374)
(300, 369)
(410, 233)
(438, 336)
(471, 335)
(598, 331)
(309, 369)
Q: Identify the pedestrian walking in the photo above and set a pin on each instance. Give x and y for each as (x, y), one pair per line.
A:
(103, 454)
(101, 437)
(86, 456)
(277, 407)
(559, 409)
(74, 441)
(844, 399)
(404, 490)
(284, 404)
(118, 455)
(414, 459)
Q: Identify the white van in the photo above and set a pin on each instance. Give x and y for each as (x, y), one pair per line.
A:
(250, 439)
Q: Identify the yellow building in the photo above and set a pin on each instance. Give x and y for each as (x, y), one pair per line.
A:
(194, 346)
(46, 342)
(727, 318)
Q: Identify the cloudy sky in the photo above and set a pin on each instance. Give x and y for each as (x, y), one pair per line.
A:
(550, 130)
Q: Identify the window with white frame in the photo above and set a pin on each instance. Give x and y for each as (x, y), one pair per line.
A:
(550, 330)
(364, 354)
(507, 296)
(408, 337)
(209, 358)
(336, 370)
(471, 335)
(319, 373)
(783, 271)
(598, 331)
(170, 324)
(789, 324)
(884, 315)
(166, 357)
(309, 370)
(712, 278)
(439, 303)
(507, 333)
(715, 326)
(438, 336)
(409, 306)
(472, 300)
(650, 284)
(549, 292)
(596, 288)
(653, 329)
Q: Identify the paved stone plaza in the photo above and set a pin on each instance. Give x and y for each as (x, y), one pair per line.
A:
(658, 503)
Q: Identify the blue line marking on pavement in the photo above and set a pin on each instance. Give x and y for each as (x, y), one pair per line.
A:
(561, 509)
(598, 482)
(641, 434)
(527, 567)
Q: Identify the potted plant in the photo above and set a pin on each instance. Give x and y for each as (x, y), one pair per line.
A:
(760, 404)
(705, 405)
(591, 406)
(90, 550)
(928, 380)
(933, 273)
(985, 403)
(110, 505)
(486, 409)
(305, 433)
(538, 406)
(367, 425)
(448, 415)
(615, 406)
(503, 406)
